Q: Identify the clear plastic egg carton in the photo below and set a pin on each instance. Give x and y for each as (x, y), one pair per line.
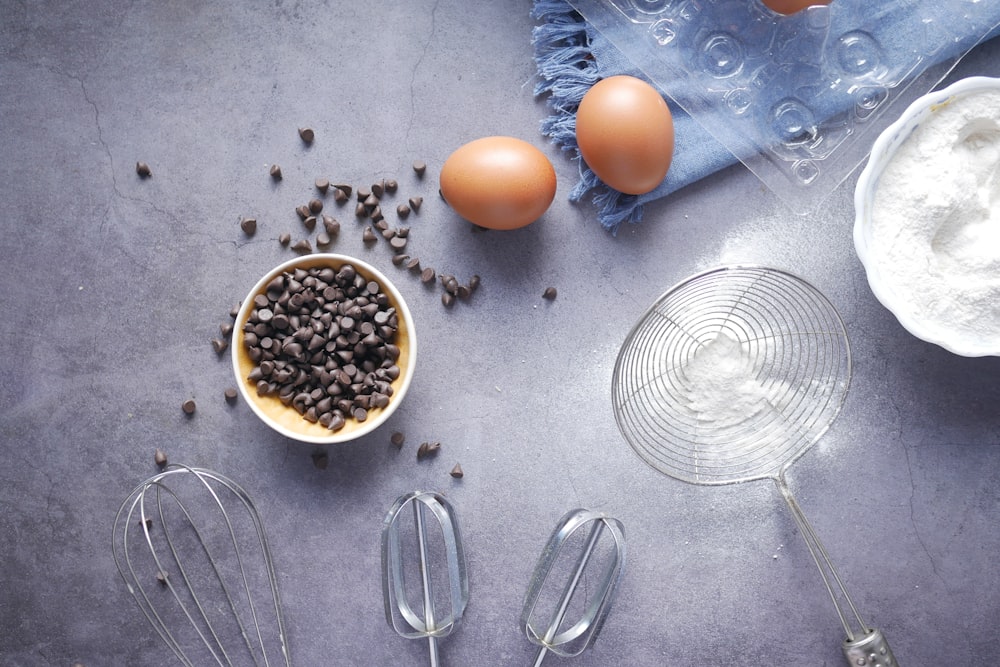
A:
(798, 99)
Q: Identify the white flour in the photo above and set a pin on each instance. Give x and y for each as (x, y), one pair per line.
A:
(722, 387)
(936, 220)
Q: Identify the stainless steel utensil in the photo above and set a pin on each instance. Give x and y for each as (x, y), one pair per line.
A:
(193, 553)
(598, 543)
(425, 596)
(730, 376)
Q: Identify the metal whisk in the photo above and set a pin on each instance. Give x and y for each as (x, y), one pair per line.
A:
(598, 543)
(425, 596)
(193, 553)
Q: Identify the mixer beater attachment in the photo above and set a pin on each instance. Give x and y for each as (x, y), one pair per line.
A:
(424, 597)
(600, 541)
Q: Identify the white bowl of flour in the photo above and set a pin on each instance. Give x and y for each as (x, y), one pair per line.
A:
(927, 226)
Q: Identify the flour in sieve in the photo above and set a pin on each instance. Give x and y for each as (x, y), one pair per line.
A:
(936, 221)
(721, 385)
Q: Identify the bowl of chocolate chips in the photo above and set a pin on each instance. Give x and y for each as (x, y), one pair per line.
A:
(324, 348)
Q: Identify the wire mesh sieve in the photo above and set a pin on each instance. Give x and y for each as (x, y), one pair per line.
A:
(730, 376)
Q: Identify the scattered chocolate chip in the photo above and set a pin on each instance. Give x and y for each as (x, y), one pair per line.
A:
(143, 170)
(331, 225)
(397, 439)
(361, 210)
(428, 449)
(457, 472)
(378, 189)
(306, 134)
(448, 299)
(249, 226)
(403, 210)
(303, 211)
(413, 264)
(284, 239)
(310, 222)
(189, 406)
(226, 329)
(219, 345)
(315, 206)
(364, 193)
(398, 243)
(416, 203)
(345, 188)
(427, 275)
(235, 310)
(369, 236)
(391, 185)
(302, 246)
(148, 523)
(275, 172)
(320, 459)
(419, 167)
(231, 394)
(340, 196)
(323, 240)
(549, 294)
(474, 282)
(463, 292)
(398, 260)
(322, 184)
(160, 457)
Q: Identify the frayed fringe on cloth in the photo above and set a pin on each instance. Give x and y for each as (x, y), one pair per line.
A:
(567, 70)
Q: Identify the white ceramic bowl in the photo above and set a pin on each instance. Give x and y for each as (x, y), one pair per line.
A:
(884, 149)
(286, 419)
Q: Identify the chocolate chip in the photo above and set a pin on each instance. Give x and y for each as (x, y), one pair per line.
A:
(457, 472)
(219, 345)
(419, 167)
(331, 225)
(306, 134)
(398, 243)
(249, 226)
(275, 172)
(303, 211)
(474, 282)
(345, 188)
(340, 196)
(160, 457)
(315, 206)
(368, 236)
(322, 184)
(320, 459)
(226, 329)
(427, 275)
(161, 577)
(416, 203)
(398, 260)
(403, 210)
(231, 394)
(310, 222)
(235, 310)
(391, 185)
(448, 299)
(284, 239)
(413, 264)
(364, 193)
(378, 189)
(549, 294)
(302, 246)
(189, 406)
(361, 210)
(323, 240)
(143, 170)
(397, 439)
(428, 449)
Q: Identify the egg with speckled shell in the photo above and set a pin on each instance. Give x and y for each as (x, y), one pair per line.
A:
(625, 133)
(498, 182)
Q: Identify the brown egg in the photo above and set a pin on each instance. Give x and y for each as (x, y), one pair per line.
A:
(792, 6)
(498, 182)
(626, 134)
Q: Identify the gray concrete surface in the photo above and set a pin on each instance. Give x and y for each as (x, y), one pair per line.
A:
(113, 287)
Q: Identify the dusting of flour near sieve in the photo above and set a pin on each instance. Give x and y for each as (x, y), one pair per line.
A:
(722, 387)
(936, 220)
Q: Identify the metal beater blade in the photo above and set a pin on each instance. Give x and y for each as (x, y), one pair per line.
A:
(193, 553)
(423, 610)
(547, 605)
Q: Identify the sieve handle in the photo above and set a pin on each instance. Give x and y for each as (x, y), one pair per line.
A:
(872, 650)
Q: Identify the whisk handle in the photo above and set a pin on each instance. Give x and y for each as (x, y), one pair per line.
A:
(871, 650)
